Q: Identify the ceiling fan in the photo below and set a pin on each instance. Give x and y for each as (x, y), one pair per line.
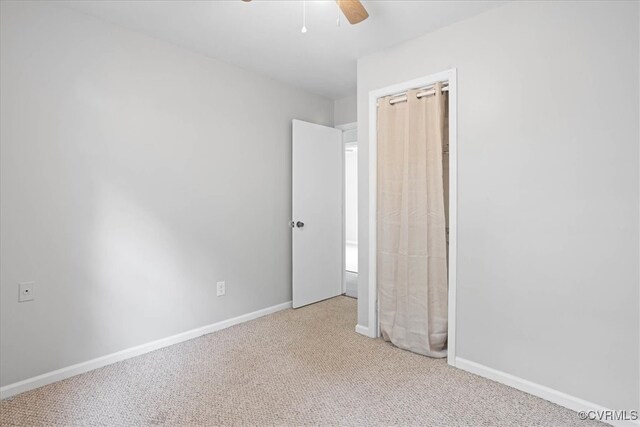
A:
(352, 9)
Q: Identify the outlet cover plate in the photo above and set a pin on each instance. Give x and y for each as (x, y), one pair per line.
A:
(220, 289)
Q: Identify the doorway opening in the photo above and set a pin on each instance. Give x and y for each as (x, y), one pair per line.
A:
(372, 329)
(351, 218)
(350, 142)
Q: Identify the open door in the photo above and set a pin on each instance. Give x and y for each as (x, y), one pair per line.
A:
(317, 213)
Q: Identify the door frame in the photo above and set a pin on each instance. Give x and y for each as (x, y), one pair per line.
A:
(450, 77)
(349, 135)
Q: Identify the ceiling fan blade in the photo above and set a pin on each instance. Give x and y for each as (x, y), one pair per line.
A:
(353, 10)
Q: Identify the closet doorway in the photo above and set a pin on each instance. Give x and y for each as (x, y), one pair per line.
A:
(419, 87)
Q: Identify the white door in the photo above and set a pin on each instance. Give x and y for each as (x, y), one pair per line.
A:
(317, 213)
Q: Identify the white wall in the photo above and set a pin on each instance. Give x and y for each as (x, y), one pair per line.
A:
(547, 189)
(345, 110)
(134, 176)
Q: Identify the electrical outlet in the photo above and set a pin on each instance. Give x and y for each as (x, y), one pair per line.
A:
(26, 291)
(220, 289)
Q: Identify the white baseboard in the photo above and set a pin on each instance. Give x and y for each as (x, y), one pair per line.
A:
(546, 393)
(362, 330)
(79, 368)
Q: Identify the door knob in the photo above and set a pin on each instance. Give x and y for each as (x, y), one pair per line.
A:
(299, 224)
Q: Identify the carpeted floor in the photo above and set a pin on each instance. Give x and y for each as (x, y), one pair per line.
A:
(295, 367)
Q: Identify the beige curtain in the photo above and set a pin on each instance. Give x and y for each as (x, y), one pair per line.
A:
(411, 234)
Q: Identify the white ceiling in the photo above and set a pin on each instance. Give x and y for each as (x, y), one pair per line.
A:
(264, 36)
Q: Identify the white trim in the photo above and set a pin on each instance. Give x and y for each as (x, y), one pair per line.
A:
(453, 215)
(450, 76)
(362, 330)
(79, 368)
(552, 395)
(344, 220)
(373, 203)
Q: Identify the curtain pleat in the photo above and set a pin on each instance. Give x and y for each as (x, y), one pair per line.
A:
(411, 228)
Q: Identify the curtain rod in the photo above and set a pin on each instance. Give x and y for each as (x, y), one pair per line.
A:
(426, 91)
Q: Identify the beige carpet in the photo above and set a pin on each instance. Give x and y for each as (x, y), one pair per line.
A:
(296, 367)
